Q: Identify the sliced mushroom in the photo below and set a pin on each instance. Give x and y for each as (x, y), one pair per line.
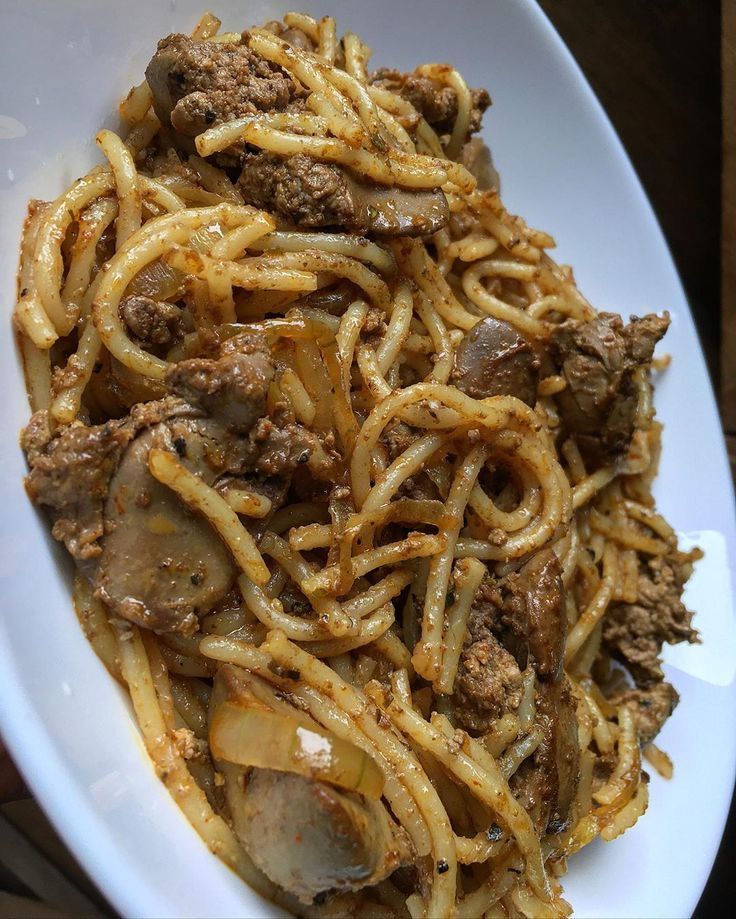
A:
(558, 754)
(162, 565)
(539, 583)
(495, 360)
(476, 157)
(308, 837)
(393, 211)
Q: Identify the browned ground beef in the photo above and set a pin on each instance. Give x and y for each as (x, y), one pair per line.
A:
(153, 322)
(597, 360)
(197, 84)
(652, 707)
(437, 104)
(635, 632)
(149, 557)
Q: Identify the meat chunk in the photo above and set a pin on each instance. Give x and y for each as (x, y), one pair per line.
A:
(197, 84)
(546, 783)
(532, 619)
(597, 360)
(315, 194)
(525, 612)
(70, 476)
(298, 187)
(279, 449)
(310, 838)
(652, 707)
(635, 632)
(153, 322)
(437, 104)
(493, 359)
(150, 558)
(488, 685)
(232, 388)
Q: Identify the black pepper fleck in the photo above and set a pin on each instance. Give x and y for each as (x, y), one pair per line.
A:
(442, 866)
(180, 445)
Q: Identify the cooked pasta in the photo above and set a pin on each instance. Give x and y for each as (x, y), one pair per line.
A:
(358, 482)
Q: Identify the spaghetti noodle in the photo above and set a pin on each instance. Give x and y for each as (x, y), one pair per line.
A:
(343, 454)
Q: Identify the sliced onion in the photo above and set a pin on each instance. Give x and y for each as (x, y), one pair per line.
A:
(254, 736)
(160, 281)
(203, 240)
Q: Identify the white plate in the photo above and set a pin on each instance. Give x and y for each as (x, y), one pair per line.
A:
(63, 68)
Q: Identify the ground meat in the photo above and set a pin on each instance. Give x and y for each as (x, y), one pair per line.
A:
(299, 188)
(279, 449)
(69, 476)
(153, 322)
(488, 684)
(437, 104)
(652, 707)
(149, 557)
(232, 388)
(525, 612)
(197, 84)
(635, 632)
(597, 360)
(315, 194)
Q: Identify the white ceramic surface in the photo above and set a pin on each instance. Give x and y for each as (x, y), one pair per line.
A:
(64, 65)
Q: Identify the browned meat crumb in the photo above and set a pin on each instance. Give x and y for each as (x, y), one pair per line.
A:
(524, 611)
(279, 449)
(652, 707)
(597, 360)
(488, 685)
(69, 475)
(299, 188)
(197, 84)
(316, 194)
(232, 388)
(635, 632)
(437, 104)
(153, 322)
